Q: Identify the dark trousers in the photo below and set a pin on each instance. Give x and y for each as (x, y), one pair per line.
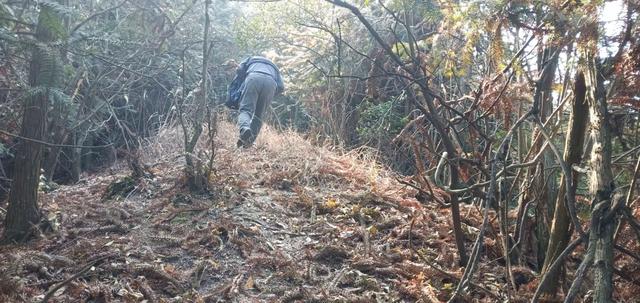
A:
(259, 90)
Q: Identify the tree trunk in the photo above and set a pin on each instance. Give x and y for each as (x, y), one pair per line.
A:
(195, 173)
(79, 138)
(45, 73)
(601, 183)
(559, 237)
(59, 136)
(535, 188)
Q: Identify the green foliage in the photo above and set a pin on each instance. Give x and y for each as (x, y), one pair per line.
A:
(5, 13)
(57, 8)
(379, 121)
(256, 33)
(120, 188)
(4, 151)
(431, 12)
(51, 19)
(289, 113)
(50, 29)
(51, 69)
(54, 94)
(402, 48)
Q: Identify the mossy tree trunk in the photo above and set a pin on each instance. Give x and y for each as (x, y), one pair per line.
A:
(559, 235)
(45, 73)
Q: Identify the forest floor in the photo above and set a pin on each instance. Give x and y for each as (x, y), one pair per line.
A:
(284, 221)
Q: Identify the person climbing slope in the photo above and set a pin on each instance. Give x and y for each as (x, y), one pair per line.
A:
(256, 83)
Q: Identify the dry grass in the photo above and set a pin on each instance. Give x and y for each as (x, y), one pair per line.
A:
(282, 217)
(286, 156)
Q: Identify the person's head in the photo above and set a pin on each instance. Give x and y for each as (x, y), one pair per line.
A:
(271, 55)
(229, 67)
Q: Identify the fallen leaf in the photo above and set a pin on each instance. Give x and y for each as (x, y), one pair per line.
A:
(60, 291)
(250, 283)
(331, 203)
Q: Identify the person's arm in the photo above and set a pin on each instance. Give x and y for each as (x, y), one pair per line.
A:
(279, 83)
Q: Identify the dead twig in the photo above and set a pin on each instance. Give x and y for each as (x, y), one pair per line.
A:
(635, 225)
(198, 275)
(559, 260)
(442, 271)
(234, 289)
(430, 194)
(628, 202)
(113, 228)
(146, 290)
(81, 272)
(500, 156)
(151, 272)
(176, 212)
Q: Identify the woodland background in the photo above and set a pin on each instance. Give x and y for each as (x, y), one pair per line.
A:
(524, 113)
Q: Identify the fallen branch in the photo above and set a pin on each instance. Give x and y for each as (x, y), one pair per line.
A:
(556, 263)
(113, 228)
(422, 191)
(627, 252)
(175, 213)
(151, 272)
(442, 271)
(635, 225)
(82, 271)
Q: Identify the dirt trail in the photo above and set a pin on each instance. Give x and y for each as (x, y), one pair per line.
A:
(285, 221)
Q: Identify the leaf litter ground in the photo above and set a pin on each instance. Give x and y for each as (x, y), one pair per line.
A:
(284, 221)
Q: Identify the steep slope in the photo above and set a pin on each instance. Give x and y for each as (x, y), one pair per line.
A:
(284, 221)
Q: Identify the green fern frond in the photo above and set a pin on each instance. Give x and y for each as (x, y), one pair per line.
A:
(6, 35)
(6, 13)
(34, 91)
(54, 94)
(4, 151)
(51, 70)
(58, 96)
(50, 21)
(58, 9)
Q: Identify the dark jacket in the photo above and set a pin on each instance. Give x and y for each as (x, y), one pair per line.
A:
(248, 65)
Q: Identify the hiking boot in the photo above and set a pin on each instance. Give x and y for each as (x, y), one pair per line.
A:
(245, 138)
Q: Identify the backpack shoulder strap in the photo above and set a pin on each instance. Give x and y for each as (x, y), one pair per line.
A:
(241, 72)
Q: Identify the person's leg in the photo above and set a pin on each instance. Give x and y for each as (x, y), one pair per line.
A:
(265, 96)
(247, 108)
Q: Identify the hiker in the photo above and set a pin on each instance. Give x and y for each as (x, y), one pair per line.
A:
(256, 82)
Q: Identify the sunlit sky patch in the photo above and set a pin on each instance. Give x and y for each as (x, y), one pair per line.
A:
(612, 17)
